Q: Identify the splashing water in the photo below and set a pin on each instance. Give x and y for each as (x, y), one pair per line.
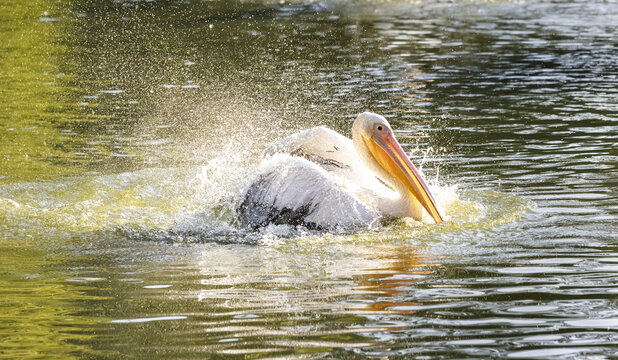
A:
(199, 204)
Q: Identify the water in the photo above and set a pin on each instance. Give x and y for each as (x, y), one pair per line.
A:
(130, 129)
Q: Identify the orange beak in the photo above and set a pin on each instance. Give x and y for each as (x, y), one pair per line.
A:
(389, 154)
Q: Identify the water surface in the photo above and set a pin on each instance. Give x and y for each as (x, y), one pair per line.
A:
(129, 130)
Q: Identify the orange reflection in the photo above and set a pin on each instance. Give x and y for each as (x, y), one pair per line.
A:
(404, 267)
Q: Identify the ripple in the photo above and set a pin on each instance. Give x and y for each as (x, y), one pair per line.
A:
(156, 286)
(548, 352)
(541, 338)
(472, 342)
(493, 321)
(86, 279)
(534, 270)
(602, 324)
(533, 309)
(142, 320)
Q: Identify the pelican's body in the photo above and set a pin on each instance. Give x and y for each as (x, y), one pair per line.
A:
(321, 179)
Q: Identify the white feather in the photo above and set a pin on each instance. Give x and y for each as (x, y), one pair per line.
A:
(294, 190)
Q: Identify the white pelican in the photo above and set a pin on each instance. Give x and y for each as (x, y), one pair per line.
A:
(321, 179)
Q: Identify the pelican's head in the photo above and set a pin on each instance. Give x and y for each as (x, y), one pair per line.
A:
(374, 141)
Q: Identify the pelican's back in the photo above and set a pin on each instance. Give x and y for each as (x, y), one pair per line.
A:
(293, 190)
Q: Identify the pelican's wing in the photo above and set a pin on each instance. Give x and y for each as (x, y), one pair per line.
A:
(322, 146)
(336, 154)
(293, 190)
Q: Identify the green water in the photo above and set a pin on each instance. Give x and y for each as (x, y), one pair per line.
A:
(129, 130)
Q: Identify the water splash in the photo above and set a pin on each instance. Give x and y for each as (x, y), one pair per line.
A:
(195, 199)
(199, 205)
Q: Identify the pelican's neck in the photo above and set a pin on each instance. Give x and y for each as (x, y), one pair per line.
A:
(402, 205)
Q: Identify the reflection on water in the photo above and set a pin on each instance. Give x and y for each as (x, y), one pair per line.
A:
(391, 283)
(130, 128)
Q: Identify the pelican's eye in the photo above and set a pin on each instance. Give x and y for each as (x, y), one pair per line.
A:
(379, 128)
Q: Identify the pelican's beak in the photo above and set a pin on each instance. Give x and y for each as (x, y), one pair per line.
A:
(389, 154)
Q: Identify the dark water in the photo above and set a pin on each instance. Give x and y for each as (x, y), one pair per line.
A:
(129, 130)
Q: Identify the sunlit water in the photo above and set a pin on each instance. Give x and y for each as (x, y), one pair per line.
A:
(129, 131)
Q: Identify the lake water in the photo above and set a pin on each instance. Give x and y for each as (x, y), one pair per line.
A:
(129, 130)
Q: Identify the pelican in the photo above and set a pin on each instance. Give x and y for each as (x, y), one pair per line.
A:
(321, 179)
